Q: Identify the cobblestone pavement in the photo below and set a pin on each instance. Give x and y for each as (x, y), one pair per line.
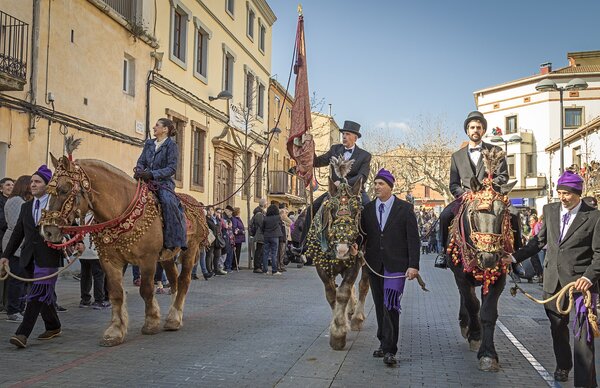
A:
(252, 330)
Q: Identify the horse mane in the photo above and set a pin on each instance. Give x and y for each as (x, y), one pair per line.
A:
(492, 158)
(340, 166)
(104, 165)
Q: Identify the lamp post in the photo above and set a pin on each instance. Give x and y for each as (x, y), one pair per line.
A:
(512, 139)
(547, 85)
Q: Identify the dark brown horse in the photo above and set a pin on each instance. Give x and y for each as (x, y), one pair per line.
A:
(335, 228)
(129, 230)
(482, 234)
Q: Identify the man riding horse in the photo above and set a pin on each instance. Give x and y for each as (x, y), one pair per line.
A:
(360, 170)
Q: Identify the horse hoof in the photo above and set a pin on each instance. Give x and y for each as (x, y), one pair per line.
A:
(356, 324)
(464, 331)
(172, 325)
(474, 345)
(109, 341)
(337, 343)
(150, 330)
(488, 364)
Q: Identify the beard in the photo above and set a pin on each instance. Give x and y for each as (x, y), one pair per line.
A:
(475, 137)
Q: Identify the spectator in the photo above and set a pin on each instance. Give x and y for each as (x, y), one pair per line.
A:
(239, 232)
(286, 223)
(201, 256)
(20, 194)
(255, 230)
(222, 227)
(271, 228)
(213, 251)
(227, 229)
(6, 188)
(92, 271)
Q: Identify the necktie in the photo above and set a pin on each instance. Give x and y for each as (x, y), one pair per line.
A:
(475, 149)
(36, 211)
(381, 209)
(565, 220)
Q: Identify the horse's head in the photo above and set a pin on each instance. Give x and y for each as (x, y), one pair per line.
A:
(341, 217)
(487, 222)
(69, 198)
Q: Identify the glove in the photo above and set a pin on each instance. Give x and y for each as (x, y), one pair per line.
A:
(146, 176)
(136, 175)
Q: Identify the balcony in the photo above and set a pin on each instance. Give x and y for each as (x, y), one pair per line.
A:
(535, 182)
(14, 38)
(284, 185)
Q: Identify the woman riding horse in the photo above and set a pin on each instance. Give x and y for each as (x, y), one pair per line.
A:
(158, 163)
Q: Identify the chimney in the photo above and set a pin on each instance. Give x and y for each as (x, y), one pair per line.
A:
(546, 68)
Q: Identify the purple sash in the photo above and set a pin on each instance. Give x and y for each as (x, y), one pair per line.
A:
(581, 318)
(43, 290)
(393, 290)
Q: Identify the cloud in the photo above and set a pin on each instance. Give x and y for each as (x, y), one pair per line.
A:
(399, 125)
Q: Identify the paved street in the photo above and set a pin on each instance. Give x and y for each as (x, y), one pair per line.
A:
(253, 330)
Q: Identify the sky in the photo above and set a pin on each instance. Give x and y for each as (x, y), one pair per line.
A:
(388, 64)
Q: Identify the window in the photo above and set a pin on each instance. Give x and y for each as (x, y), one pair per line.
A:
(511, 124)
(250, 26)
(129, 75)
(199, 146)
(228, 60)
(179, 19)
(258, 179)
(201, 51)
(229, 7)
(288, 123)
(530, 170)
(510, 160)
(427, 192)
(573, 117)
(250, 79)
(577, 156)
(260, 106)
(262, 36)
(180, 122)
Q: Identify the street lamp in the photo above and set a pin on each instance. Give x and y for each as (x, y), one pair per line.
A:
(223, 95)
(513, 139)
(547, 85)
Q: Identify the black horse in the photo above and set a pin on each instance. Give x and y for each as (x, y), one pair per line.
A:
(482, 234)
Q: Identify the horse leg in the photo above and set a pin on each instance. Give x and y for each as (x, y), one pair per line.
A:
(351, 306)
(339, 323)
(488, 358)
(471, 305)
(359, 312)
(152, 313)
(463, 318)
(116, 331)
(175, 317)
(330, 289)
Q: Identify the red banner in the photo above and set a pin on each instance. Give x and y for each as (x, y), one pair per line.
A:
(300, 145)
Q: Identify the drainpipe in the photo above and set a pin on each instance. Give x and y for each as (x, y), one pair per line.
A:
(35, 41)
(148, 84)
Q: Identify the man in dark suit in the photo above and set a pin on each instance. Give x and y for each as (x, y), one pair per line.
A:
(39, 260)
(392, 249)
(360, 169)
(467, 163)
(571, 231)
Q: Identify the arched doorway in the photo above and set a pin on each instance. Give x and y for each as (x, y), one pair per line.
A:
(223, 183)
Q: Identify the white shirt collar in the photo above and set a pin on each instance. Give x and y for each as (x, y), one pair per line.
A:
(573, 211)
(387, 203)
(157, 143)
(476, 146)
(350, 149)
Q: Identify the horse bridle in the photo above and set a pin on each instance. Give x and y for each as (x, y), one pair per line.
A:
(338, 230)
(81, 185)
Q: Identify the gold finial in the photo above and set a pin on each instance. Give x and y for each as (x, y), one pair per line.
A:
(299, 9)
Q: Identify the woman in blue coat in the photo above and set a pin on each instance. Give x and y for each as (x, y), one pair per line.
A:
(158, 163)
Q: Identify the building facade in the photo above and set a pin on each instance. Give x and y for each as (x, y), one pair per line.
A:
(326, 132)
(528, 121)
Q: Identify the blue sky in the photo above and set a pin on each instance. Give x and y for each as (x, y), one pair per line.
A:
(385, 63)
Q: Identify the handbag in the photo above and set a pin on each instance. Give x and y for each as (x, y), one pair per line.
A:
(211, 237)
(441, 261)
(220, 241)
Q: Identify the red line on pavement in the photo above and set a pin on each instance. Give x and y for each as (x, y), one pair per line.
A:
(82, 360)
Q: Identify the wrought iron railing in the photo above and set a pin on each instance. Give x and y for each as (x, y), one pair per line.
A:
(282, 182)
(14, 38)
(126, 8)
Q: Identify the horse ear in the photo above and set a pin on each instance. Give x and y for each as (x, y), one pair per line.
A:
(357, 186)
(475, 184)
(332, 188)
(54, 160)
(507, 187)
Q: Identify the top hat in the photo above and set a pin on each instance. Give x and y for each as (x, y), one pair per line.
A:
(476, 115)
(352, 127)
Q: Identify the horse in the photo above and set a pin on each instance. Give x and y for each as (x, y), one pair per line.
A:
(481, 235)
(335, 228)
(128, 229)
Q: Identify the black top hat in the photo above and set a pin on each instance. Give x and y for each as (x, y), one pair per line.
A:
(352, 127)
(476, 115)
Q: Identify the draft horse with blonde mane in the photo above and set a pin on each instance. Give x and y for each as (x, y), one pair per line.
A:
(482, 233)
(334, 229)
(127, 228)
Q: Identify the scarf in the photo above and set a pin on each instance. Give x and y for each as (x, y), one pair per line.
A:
(393, 290)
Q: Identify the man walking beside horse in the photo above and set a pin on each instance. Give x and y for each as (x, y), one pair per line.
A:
(571, 231)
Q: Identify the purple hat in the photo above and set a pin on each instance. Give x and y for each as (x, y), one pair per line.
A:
(386, 176)
(44, 173)
(569, 181)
